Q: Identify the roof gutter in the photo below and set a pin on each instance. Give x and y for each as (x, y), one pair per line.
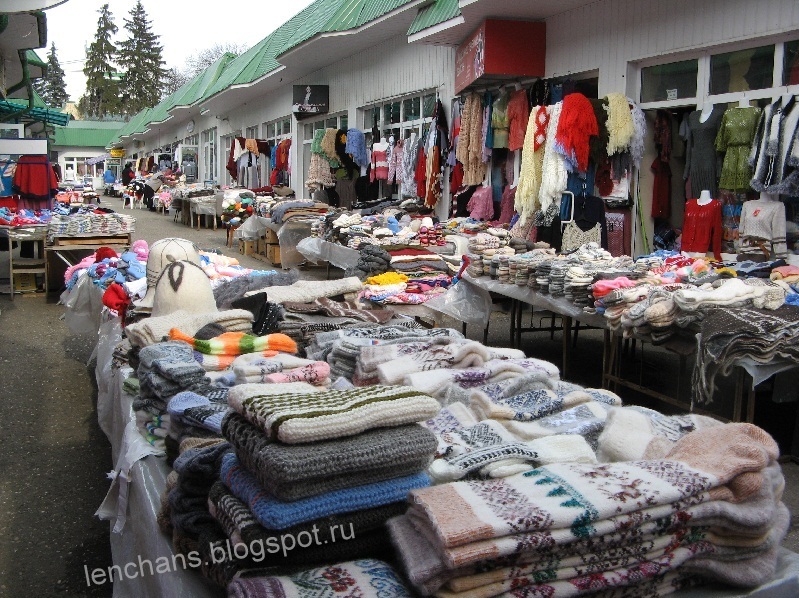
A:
(25, 82)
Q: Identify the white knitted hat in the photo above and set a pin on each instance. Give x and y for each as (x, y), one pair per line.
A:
(183, 286)
(162, 253)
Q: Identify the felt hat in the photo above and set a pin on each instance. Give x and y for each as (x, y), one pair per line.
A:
(183, 285)
(161, 254)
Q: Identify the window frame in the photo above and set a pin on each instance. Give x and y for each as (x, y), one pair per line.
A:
(703, 57)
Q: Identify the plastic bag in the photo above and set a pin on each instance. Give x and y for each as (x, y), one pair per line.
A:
(252, 228)
(317, 250)
(465, 302)
(84, 305)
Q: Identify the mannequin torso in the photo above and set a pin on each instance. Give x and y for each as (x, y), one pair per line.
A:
(704, 198)
(707, 110)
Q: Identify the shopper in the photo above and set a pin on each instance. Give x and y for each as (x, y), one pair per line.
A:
(151, 187)
(127, 174)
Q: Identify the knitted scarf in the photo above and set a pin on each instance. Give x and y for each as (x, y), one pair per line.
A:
(237, 343)
(356, 147)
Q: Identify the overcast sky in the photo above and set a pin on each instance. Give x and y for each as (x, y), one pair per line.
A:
(184, 28)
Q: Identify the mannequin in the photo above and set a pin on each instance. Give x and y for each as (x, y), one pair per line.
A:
(744, 103)
(702, 226)
(768, 197)
(707, 110)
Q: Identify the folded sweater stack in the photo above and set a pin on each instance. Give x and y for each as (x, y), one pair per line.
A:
(324, 459)
(710, 508)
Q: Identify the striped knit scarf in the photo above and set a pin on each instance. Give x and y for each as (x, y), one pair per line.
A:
(236, 343)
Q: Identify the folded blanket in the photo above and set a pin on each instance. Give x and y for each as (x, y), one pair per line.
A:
(276, 514)
(340, 309)
(536, 403)
(297, 417)
(291, 472)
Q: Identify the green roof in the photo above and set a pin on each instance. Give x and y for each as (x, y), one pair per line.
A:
(87, 133)
(188, 93)
(33, 59)
(434, 14)
(39, 112)
(140, 118)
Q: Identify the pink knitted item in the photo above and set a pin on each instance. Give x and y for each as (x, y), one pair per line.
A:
(481, 205)
(603, 287)
(316, 373)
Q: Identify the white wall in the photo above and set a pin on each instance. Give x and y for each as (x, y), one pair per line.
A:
(608, 34)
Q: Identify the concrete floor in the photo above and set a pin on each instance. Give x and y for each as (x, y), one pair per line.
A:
(54, 457)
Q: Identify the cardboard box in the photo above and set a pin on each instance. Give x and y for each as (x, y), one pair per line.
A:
(271, 236)
(260, 247)
(247, 247)
(273, 253)
(25, 283)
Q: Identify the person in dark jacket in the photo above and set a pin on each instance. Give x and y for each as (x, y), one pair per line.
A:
(128, 175)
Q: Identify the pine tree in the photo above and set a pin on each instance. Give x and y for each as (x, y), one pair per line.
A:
(54, 89)
(140, 58)
(102, 89)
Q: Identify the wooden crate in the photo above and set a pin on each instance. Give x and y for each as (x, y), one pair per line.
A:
(97, 240)
(247, 247)
(271, 237)
(25, 283)
(273, 254)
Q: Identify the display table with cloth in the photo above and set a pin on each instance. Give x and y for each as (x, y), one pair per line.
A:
(202, 206)
(139, 479)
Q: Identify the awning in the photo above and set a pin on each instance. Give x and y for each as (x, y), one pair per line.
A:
(97, 159)
(46, 115)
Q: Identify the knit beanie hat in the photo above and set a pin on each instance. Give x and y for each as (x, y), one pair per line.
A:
(161, 254)
(103, 253)
(183, 286)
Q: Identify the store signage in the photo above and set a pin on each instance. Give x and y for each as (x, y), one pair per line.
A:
(113, 162)
(309, 100)
(671, 94)
(117, 153)
(501, 50)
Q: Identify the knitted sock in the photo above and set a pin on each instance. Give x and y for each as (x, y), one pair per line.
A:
(276, 514)
(236, 343)
(209, 331)
(297, 418)
(314, 373)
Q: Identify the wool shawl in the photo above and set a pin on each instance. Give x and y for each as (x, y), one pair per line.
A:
(621, 128)
(470, 143)
(576, 126)
(526, 202)
(554, 177)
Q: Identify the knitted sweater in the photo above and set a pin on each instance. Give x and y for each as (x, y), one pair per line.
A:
(702, 227)
(299, 417)
(775, 151)
(765, 219)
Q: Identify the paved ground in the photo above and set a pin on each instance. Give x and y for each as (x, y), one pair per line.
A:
(54, 457)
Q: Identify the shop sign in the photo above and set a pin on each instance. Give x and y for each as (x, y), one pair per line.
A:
(309, 100)
(470, 59)
(118, 153)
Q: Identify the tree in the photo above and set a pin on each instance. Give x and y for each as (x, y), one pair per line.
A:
(173, 80)
(54, 91)
(102, 87)
(140, 56)
(197, 63)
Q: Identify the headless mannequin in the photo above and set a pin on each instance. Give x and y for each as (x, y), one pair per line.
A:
(707, 110)
(743, 103)
(768, 197)
(704, 199)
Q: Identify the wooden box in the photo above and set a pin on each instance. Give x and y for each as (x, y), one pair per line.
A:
(271, 236)
(273, 253)
(25, 283)
(247, 247)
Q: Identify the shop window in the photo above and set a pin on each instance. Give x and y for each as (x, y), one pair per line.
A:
(742, 70)
(209, 155)
(671, 81)
(275, 132)
(790, 64)
(429, 104)
(192, 140)
(391, 113)
(251, 132)
(371, 117)
(411, 108)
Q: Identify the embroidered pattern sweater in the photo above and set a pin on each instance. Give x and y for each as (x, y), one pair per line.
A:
(764, 219)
